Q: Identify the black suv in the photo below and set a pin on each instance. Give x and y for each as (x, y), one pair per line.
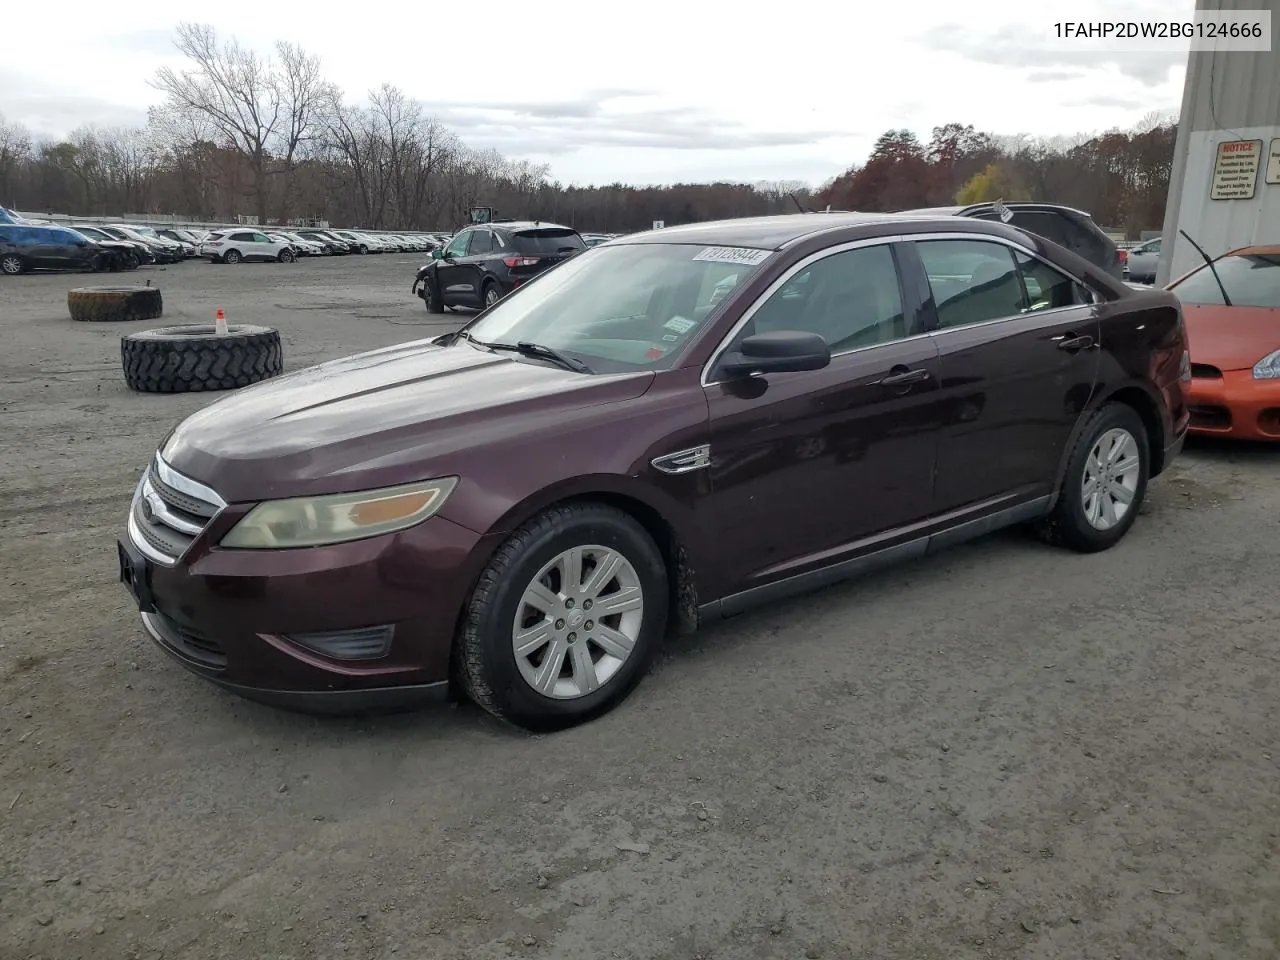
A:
(1065, 226)
(483, 263)
(26, 246)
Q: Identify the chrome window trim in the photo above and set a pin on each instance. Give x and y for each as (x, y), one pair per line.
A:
(1021, 248)
(777, 284)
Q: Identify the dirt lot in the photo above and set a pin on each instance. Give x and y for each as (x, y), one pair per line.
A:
(1006, 751)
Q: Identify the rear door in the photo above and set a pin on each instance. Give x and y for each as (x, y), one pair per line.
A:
(1017, 343)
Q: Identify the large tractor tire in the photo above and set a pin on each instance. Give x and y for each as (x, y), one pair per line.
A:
(194, 357)
(115, 303)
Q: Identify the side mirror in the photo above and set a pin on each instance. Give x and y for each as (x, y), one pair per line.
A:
(782, 351)
(437, 253)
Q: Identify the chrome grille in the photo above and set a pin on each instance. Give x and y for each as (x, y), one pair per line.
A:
(168, 512)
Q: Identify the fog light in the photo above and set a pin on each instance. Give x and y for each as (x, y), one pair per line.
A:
(362, 643)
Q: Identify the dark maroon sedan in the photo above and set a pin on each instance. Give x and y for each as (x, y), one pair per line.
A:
(667, 428)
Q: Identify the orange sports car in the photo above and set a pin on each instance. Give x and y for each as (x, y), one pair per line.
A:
(1233, 327)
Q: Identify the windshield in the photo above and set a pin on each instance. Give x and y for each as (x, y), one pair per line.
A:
(631, 307)
(1252, 280)
(145, 231)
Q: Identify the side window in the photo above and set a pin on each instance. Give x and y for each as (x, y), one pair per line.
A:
(972, 280)
(1047, 289)
(458, 245)
(851, 299)
(261, 238)
(500, 242)
(481, 242)
(242, 237)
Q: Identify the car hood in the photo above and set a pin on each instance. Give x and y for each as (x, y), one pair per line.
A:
(388, 416)
(1231, 338)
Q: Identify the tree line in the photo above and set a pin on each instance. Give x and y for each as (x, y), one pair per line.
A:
(242, 134)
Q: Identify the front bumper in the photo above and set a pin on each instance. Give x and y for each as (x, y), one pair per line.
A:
(1235, 405)
(263, 623)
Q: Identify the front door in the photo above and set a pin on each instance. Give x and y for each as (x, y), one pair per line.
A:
(810, 467)
(1018, 346)
(455, 288)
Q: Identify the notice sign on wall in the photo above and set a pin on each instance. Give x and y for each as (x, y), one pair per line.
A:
(1273, 162)
(1235, 170)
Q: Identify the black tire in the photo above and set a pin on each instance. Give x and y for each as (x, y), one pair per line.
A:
(490, 294)
(132, 261)
(114, 303)
(362, 250)
(11, 265)
(432, 303)
(194, 358)
(286, 256)
(486, 661)
(1068, 525)
(231, 256)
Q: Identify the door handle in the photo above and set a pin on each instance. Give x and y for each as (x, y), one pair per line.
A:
(1071, 343)
(905, 378)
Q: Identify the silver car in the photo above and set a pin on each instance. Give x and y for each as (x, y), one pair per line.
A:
(1143, 261)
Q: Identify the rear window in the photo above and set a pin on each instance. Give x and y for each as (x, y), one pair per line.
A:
(1252, 280)
(547, 242)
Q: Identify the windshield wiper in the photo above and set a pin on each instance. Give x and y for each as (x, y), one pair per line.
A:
(1226, 300)
(540, 352)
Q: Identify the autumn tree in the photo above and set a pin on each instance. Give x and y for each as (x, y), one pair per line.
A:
(895, 177)
(993, 182)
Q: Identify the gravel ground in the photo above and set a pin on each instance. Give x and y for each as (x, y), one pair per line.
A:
(1004, 751)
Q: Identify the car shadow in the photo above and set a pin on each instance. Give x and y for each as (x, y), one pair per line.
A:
(1232, 450)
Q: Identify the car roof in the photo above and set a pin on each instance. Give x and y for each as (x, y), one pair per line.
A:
(518, 225)
(766, 233)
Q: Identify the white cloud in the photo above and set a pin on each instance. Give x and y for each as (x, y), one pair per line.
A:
(643, 92)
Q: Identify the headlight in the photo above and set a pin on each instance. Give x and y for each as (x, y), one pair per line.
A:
(1268, 368)
(316, 521)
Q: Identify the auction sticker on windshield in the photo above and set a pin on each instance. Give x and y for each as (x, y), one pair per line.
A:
(744, 255)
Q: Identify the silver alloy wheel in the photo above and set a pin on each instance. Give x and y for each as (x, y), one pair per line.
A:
(11, 266)
(490, 295)
(578, 622)
(1110, 481)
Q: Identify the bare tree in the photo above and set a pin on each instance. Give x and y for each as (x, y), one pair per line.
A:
(261, 110)
(15, 150)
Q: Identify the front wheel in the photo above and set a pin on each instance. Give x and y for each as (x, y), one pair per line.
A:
(432, 304)
(566, 619)
(1105, 482)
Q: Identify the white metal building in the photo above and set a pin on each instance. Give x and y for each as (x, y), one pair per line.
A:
(1225, 184)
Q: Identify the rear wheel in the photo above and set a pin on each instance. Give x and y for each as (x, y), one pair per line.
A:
(231, 256)
(1105, 482)
(566, 619)
(286, 256)
(11, 264)
(491, 294)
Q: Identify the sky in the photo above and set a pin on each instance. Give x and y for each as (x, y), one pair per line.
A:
(652, 92)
